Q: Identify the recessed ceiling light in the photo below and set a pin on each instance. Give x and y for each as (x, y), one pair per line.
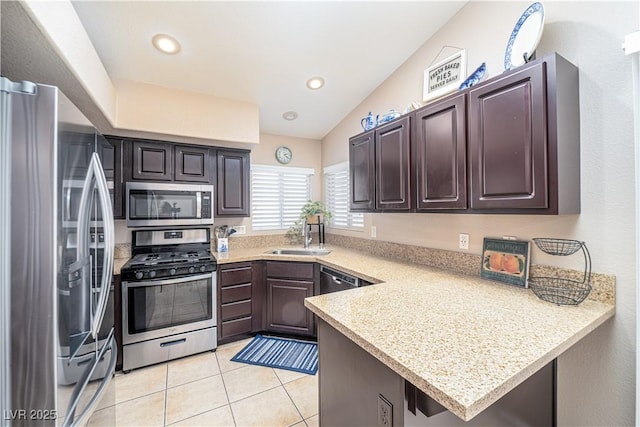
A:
(315, 83)
(289, 115)
(166, 44)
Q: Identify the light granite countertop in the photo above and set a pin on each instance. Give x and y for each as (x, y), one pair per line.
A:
(463, 340)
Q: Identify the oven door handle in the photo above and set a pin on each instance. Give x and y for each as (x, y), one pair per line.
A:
(168, 281)
(96, 174)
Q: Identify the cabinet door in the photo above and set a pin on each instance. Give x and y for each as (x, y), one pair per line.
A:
(393, 174)
(362, 172)
(440, 147)
(233, 183)
(193, 164)
(508, 141)
(152, 161)
(75, 155)
(285, 306)
(111, 156)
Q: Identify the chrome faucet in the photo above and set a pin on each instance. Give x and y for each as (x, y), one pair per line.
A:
(306, 234)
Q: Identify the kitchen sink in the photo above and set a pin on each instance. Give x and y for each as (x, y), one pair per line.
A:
(300, 251)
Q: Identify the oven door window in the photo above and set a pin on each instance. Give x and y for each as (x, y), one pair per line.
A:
(164, 306)
(147, 204)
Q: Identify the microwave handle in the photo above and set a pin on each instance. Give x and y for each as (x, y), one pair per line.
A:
(96, 173)
(198, 204)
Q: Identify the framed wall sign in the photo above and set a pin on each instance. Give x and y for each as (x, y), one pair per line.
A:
(445, 76)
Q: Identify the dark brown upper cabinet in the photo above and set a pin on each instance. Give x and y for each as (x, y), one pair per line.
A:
(362, 172)
(152, 160)
(440, 155)
(507, 145)
(194, 164)
(524, 140)
(111, 155)
(233, 189)
(393, 161)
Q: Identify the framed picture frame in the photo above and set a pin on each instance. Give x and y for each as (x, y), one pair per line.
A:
(445, 76)
(506, 261)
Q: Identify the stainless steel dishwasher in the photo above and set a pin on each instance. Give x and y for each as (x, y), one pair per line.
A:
(334, 281)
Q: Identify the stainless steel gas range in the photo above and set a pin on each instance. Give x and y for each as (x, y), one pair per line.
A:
(168, 296)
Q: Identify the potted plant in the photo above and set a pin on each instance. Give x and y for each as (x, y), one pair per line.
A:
(313, 213)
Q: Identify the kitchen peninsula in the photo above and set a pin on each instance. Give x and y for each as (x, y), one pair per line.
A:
(463, 341)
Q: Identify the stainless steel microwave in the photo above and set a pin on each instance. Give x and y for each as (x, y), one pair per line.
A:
(151, 204)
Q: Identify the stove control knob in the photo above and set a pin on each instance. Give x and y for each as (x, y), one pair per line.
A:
(192, 270)
(152, 274)
(172, 271)
(139, 275)
(202, 268)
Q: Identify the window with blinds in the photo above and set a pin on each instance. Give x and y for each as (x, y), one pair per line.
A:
(336, 194)
(277, 194)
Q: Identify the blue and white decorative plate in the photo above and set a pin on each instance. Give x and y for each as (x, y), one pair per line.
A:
(525, 36)
(475, 77)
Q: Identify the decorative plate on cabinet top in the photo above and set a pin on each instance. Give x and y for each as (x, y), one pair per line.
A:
(525, 36)
(475, 77)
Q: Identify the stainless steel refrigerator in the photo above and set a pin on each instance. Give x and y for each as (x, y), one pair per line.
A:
(56, 248)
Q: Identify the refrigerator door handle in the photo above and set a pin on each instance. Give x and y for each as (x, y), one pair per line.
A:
(109, 243)
(83, 418)
(96, 173)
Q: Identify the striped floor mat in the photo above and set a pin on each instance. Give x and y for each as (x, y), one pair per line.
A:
(299, 356)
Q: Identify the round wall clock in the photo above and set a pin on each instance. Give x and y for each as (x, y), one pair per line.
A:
(283, 154)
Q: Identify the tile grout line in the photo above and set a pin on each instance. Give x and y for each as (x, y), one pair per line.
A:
(225, 390)
(166, 395)
(294, 404)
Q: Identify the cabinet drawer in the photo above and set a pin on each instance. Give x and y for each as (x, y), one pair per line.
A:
(235, 327)
(290, 270)
(235, 276)
(235, 309)
(235, 293)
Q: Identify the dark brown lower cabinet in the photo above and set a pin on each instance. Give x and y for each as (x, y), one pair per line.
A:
(117, 317)
(285, 306)
(287, 285)
(240, 300)
(265, 296)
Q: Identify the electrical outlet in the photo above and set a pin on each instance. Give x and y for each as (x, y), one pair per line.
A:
(464, 241)
(240, 229)
(385, 412)
(373, 231)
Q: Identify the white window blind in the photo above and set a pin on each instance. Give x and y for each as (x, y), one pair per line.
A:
(277, 194)
(337, 194)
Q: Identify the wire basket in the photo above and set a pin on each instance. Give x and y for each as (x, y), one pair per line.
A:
(561, 247)
(560, 290)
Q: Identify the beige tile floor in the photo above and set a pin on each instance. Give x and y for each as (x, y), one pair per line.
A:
(209, 389)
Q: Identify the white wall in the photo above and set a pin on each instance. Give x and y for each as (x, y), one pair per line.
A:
(596, 380)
